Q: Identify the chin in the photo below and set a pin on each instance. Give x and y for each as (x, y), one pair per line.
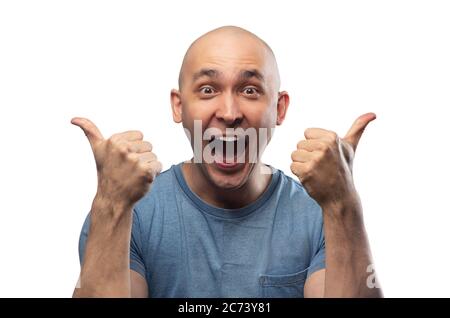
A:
(227, 179)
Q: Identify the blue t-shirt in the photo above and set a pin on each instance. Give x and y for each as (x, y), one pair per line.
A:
(184, 247)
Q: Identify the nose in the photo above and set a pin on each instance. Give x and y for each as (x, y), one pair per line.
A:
(229, 111)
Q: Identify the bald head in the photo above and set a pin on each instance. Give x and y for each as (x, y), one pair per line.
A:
(229, 46)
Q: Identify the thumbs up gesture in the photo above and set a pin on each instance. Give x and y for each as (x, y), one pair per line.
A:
(126, 165)
(323, 161)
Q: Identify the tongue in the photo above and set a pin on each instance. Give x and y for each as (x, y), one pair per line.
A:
(227, 157)
(230, 158)
(227, 152)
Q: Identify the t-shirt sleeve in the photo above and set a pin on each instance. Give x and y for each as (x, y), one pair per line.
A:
(136, 256)
(83, 238)
(318, 260)
(136, 259)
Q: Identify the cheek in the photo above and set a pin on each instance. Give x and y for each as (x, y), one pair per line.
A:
(195, 119)
(197, 110)
(263, 117)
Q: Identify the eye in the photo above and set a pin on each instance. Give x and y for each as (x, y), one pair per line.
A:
(250, 91)
(207, 90)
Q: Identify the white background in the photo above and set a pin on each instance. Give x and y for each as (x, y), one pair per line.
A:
(116, 61)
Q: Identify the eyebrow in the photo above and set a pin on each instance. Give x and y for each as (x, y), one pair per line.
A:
(205, 72)
(212, 73)
(247, 74)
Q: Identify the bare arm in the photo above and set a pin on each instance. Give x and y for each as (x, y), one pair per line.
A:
(348, 256)
(348, 253)
(105, 270)
(126, 167)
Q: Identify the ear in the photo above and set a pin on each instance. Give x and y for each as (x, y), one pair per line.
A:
(175, 100)
(282, 106)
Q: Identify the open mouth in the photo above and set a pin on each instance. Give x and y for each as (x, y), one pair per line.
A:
(228, 151)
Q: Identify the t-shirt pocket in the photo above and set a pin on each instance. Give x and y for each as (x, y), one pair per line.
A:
(283, 286)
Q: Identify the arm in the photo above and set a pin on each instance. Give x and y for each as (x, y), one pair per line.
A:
(323, 163)
(347, 256)
(105, 270)
(348, 253)
(103, 250)
(126, 167)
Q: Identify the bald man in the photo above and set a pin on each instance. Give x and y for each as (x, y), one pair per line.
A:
(223, 224)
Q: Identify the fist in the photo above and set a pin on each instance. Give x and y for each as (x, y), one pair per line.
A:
(323, 161)
(126, 165)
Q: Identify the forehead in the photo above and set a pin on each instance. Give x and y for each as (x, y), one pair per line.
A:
(230, 56)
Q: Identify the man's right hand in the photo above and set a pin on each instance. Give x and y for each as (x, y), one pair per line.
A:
(126, 165)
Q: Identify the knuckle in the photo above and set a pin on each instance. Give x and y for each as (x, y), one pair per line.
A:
(311, 166)
(148, 145)
(323, 154)
(139, 134)
(109, 142)
(322, 146)
(139, 162)
(152, 172)
(293, 167)
(147, 177)
(143, 167)
(307, 131)
(294, 155)
(113, 145)
(149, 157)
(132, 158)
(329, 147)
(314, 162)
(114, 138)
(160, 167)
(122, 148)
(332, 136)
(157, 167)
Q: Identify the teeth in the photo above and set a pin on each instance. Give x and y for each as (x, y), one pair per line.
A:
(228, 138)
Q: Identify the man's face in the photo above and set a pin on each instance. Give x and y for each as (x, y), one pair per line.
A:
(229, 82)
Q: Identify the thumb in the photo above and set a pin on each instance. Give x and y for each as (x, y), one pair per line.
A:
(91, 131)
(355, 132)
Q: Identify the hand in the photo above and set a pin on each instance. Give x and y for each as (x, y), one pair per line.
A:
(126, 165)
(323, 162)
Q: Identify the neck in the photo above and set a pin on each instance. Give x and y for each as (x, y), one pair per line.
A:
(249, 192)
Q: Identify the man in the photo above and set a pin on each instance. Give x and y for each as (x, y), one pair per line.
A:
(224, 227)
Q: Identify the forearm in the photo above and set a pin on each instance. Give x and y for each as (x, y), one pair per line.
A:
(105, 271)
(347, 250)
